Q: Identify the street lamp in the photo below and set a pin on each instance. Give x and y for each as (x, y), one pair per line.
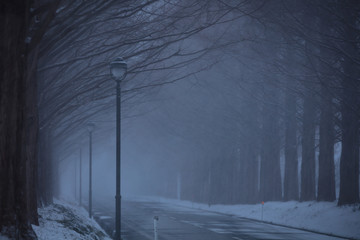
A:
(118, 69)
(90, 128)
(80, 178)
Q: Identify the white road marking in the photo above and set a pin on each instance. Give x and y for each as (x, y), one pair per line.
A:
(192, 223)
(219, 230)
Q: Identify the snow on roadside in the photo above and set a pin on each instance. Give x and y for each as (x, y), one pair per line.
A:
(62, 220)
(3, 237)
(325, 217)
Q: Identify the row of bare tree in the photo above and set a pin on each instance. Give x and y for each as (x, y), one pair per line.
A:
(55, 79)
(301, 60)
(294, 94)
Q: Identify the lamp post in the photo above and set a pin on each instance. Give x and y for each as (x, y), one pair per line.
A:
(90, 127)
(75, 179)
(80, 178)
(118, 69)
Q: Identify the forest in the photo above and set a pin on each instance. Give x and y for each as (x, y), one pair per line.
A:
(280, 80)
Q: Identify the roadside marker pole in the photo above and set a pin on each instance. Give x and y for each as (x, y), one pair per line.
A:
(156, 219)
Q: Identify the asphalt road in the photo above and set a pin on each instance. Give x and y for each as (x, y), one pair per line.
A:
(181, 223)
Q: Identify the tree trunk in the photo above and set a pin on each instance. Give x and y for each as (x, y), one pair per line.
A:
(308, 149)
(326, 183)
(45, 176)
(349, 161)
(270, 179)
(291, 189)
(18, 125)
(310, 62)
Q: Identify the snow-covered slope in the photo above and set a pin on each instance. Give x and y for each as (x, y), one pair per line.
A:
(65, 221)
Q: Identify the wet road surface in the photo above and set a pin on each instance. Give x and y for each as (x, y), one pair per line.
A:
(181, 223)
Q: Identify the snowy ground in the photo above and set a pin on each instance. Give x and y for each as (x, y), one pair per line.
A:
(65, 221)
(322, 217)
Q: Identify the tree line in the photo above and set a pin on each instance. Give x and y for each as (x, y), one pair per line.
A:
(55, 79)
(296, 96)
(300, 88)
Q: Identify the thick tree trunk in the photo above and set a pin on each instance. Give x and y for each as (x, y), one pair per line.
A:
(31, 126)
(270, 179)
(349, 161)
(291, 189)
(308, 191)
(326, 183)
(18, 125)
(45, 176)
(308, 149)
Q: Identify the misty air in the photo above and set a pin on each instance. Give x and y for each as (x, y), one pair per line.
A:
(179, 119)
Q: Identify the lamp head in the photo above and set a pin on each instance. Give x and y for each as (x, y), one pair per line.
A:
(118, 68)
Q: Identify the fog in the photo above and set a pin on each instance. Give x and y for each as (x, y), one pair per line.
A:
(219, 105)
(212, 102)
(157, 144)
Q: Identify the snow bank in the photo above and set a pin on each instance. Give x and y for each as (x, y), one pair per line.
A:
(65, 221)
(2, 237)
(325, 217)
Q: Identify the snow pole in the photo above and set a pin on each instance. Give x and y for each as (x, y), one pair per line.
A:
(179, 186)
(262, 210)
(156, 219)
